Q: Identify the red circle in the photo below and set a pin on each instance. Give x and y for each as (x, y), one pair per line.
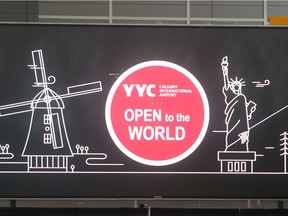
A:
(157, 113)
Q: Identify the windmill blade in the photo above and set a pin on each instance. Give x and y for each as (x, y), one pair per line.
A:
(73, 91)
(83, 89)
(39, 69)
(56, 131)
(15, 108)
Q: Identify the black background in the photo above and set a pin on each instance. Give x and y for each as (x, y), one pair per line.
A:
(77, 54)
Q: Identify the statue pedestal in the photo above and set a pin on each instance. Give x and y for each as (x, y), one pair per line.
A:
(236, 161)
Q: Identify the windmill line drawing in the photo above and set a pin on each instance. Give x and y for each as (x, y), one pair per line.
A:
(47, 146)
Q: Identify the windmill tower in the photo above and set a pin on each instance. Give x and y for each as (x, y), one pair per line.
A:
(47, 145)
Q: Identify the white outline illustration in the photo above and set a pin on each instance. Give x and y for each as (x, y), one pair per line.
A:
(284, 149)
(47, 146)
(259, 84)
(240, 160)
(238, 112)
(4, 152)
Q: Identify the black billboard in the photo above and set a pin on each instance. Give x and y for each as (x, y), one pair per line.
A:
(89, 111)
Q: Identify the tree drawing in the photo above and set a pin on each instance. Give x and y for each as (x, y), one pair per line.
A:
(284, 149)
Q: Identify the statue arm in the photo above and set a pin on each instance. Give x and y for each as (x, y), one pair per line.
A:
(224, 65)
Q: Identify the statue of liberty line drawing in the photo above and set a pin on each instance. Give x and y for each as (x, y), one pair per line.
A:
(47, 146)
(238, 112)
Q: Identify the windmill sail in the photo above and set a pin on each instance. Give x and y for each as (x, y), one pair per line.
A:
(39, 69)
